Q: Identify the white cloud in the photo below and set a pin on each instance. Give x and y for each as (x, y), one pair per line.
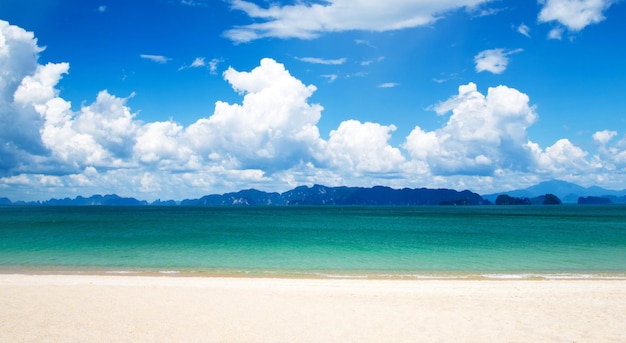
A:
(604, 137)
(524, 30)
(316, 60)
(574, 14)
(102, 9)
(556, 33)
(20, 140)
(200, 62)
(156, 58)
(111, 124)
(388, 85)
(193, 3)
(363, 148)
(368, 62)
(365, 42)
(309, 20)
(213, 64)
(611, 157)
(483, 134)
(273, 125)
(562, 158)
(331, 77)
(493, 60)
(162, 143)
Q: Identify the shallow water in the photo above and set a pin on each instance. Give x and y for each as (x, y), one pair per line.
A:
(320, 240)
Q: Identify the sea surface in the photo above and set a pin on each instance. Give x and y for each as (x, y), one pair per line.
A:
(319, 241)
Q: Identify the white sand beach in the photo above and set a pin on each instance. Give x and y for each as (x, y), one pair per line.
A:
(113, 308)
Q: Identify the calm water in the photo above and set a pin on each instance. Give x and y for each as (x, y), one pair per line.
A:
(356, 241)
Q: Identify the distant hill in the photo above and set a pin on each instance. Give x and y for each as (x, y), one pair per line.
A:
(566, 191)
(244, 197)
(378, 195)
(102, 200)
(322, 195)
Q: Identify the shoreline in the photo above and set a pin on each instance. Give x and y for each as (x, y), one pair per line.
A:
(316, 274)
(165, 308)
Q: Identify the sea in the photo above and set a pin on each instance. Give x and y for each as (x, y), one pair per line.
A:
(561, 241)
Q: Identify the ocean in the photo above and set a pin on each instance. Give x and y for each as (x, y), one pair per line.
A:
(318, 241)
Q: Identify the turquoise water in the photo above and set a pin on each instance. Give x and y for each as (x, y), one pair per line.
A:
(357, 241)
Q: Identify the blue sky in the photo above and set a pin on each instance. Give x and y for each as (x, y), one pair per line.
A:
(175, 99)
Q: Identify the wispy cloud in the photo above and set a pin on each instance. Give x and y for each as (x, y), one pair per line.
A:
(368, 62)
(524, 30)
(200, 62)
(446, 77)
(388, 85)
(304, 20)
(316, 60)
(156, 58)
(213, 64)
(192, 3)
(102, 9)
(364, 42)
(331, 77)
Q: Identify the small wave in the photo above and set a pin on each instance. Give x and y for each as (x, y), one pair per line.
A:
(554, 276)
(120, 272)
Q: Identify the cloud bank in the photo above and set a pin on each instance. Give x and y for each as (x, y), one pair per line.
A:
(269, 140)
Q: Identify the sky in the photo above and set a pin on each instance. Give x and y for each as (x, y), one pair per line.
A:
(175, 99)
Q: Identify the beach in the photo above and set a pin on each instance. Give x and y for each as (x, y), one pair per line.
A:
(146, 308)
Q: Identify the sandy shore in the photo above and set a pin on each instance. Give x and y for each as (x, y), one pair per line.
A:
(84, 308)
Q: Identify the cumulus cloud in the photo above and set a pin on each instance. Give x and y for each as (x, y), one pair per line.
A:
(483, 134)
(604, 137)
(611, 157)
(562, 158)
(19, 123)
(363, 148)
(574, 14)
(274, 123)
(493, 60)
(309, 20)
(156, 58)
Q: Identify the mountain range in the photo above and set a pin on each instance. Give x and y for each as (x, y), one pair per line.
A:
(378, 195)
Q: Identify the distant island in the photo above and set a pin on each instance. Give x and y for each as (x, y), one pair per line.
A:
(546, 193)
(303, 195)
(548, 199)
